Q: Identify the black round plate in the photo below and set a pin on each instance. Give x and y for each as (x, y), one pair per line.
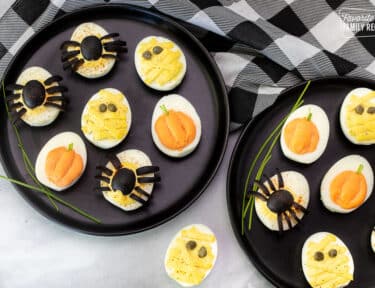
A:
(183, 180)
(277, 257)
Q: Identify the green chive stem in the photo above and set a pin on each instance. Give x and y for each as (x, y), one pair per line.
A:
(70, 147)
(309, 116)
(165, 110)
(360, 168)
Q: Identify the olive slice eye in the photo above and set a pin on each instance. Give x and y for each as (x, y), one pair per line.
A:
(359, 109)
(318, 256)
(371, 110)
(202, 252)
(157, 50)
(102, 107)
(112, 107)
(147, 55)
(332, 253)
(190, 245)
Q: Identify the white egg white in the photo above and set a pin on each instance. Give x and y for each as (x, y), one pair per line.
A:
(171, 84)
(294, 182)
(372, 240)
(350, 163)
(139, 159)
(203, 229)
(317, 237)
(177, 103)
(87, 69)
(359, 92)
(63, 139)
(106, 144)
(49, 113)
(320, 119)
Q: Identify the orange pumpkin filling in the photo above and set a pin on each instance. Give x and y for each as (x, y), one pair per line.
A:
(348, 189)
(63, 166)
(175, 129)
(301, 135)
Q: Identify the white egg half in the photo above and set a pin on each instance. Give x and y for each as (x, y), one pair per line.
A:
(329, 271)
(358, 127)
(93, 68)
(176, 103)
(372, 240)
(101, 128)
(182, 264)
(348, 163)
(297, 185)
(154, 71)
(320, 120)
(131, 159)
(41, 115)
(64, 139)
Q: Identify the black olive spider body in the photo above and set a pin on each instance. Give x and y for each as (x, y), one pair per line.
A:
(279, 201)
(90, 49)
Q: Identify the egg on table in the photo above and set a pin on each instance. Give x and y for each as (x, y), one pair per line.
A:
(128, 179)
(282, 200)
(37, 97)
(160, 63)
(61, 161)
(92, 51)
(327, 261)
(191, 255)
(347, 184)
(106, 118)
(357, 116)
(305, 134)
(175, 126)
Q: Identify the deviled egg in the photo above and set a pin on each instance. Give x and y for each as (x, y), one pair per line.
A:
(372, 239)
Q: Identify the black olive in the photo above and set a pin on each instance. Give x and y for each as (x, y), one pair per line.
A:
(102, 107)
(202, 252)
(112, 107)
(359, 109)
(371, 110)
(147, 55)
(190, 245)
(319, 256)
(157, 50)
(332, 253)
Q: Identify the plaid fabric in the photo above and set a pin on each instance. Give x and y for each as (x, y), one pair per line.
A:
(261, 47)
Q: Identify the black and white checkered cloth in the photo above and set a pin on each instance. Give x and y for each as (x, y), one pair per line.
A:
(260, 46)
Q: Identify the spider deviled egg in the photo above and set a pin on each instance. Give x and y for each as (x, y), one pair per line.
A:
(191, 255)
(37, 97)
(127, 180)
(281, 201)
(327, 261)
(106, 118)
(347, 184)
(305, 134)
(160, 63)
(357, 116)
(61, 161)
(176, 126)
(92, 51)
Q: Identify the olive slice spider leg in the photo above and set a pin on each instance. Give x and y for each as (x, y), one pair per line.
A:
(262, 187)
(258, 195)
(105, 170)
(280, 222)
(103, 178)
(18, 115)
(280, 179)
(52, 104)
(12, 97)
(294, 215)
(110, 35)
(270, 183)
(118, 49)
(115, 161)
(56, 98)
(102, 189)
(73, 64)
(149, 179)
(115, 43)
(287, 218)
(12, 87)
(300, 207)
(56, 89)
(69, 54)
(141, 191)
(110, 56)
(15, 106)
(137, 198)
(147, 169)
(52, 79)
(69, 43)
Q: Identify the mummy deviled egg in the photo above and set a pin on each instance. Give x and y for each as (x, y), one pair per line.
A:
(106, 118)
(357, 116)
(327, 261)
(191, 255)
(92, 51)
(127, 180)
(61, 161)
(347, 184)
(281, 201)
(176, 127)
(305, 134)
(160, 63)
(37, 97)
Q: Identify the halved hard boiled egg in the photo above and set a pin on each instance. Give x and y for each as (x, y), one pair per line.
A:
(285, 200)
(347, 184)
(106, 118)
(61, 161)
(176, 126)
(304, 136)
(327, 261)
(372, 239)
(191, 255)
(357, 116)
(160, 63)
